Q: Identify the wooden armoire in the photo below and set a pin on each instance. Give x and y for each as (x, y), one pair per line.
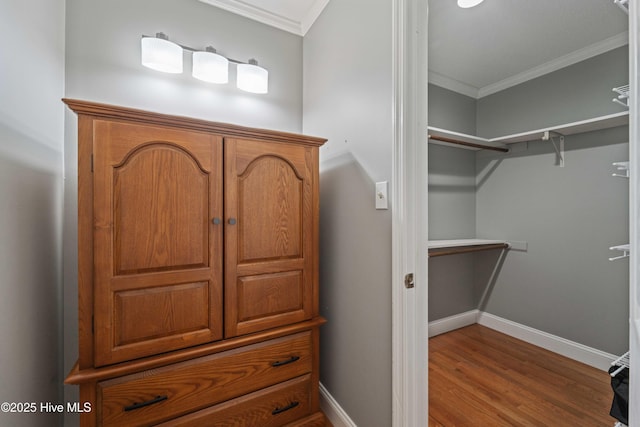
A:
(197, 272)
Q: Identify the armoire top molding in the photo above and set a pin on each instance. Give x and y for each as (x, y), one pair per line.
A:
(135, 115)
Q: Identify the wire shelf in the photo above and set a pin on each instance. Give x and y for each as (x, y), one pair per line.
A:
(623, 95)
(621, 362)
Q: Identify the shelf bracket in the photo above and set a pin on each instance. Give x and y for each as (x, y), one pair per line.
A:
(623, 4)
(621, 166)
(550, 136)
(622, 248)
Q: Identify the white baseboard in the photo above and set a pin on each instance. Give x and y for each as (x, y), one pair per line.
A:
(573, 350)
(333, 411)
(450, 323)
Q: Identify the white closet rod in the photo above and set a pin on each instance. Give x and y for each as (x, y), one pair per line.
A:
(467, 143)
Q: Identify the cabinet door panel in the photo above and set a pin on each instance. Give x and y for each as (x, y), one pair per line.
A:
(268, 230)
(269, 294)
(157, 224)
(168, 310)
(158, 267)
(269, 278)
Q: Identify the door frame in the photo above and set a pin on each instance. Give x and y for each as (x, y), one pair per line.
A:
(409, 214)
(634, 211)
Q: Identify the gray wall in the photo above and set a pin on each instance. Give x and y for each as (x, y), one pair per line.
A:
(103, 61)
(103, 65)
(452, 204)
(452, 186)
(31, 142)
(348, 99)
(451, 110)
(564, 284)
(578, 92)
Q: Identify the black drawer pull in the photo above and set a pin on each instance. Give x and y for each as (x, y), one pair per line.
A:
(135, 406)
(285, 362)
(286, 408)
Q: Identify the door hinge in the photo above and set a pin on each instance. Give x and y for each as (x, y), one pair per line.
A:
(92, 323)
(408, 281)
(92, 163)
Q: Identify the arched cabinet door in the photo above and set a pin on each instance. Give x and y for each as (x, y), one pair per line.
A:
(157, 250)
(270, 264)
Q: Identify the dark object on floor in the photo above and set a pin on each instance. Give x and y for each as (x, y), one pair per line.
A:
(620, 386)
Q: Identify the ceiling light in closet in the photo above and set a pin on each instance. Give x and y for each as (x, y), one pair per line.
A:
(210, 67)
(158, 53)
(465, 4)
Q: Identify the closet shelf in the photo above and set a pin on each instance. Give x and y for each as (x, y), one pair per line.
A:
(621, 362)
(597, 123)
(461, 246)
(466, 141)
(439, 135)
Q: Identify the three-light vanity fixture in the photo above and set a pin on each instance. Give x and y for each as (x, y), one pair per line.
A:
(158, 53)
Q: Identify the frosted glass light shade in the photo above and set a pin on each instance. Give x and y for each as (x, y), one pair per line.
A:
(252, 78)
(162, 55)
(210, 67)
(469, 3)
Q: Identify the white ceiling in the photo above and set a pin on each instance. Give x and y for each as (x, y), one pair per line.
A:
(294, 16)
(487, 48)
(501, 43)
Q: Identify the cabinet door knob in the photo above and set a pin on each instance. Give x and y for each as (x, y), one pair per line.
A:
(232, 221)
(216, 221)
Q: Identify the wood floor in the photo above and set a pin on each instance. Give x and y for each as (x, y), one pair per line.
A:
(480, 377)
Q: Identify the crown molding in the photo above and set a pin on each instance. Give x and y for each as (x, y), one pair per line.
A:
(564, 61)
(314, 12)
(454, 85)
(292, 25)
(557, 64)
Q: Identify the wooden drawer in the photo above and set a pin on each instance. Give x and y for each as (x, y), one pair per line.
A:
(270, 407)
(152, 396)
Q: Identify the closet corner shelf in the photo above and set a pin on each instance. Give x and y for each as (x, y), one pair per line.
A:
(461, 246)
(500, 144)
(469, 142)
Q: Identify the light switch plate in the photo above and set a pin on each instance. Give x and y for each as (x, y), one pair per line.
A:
(382, 195)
